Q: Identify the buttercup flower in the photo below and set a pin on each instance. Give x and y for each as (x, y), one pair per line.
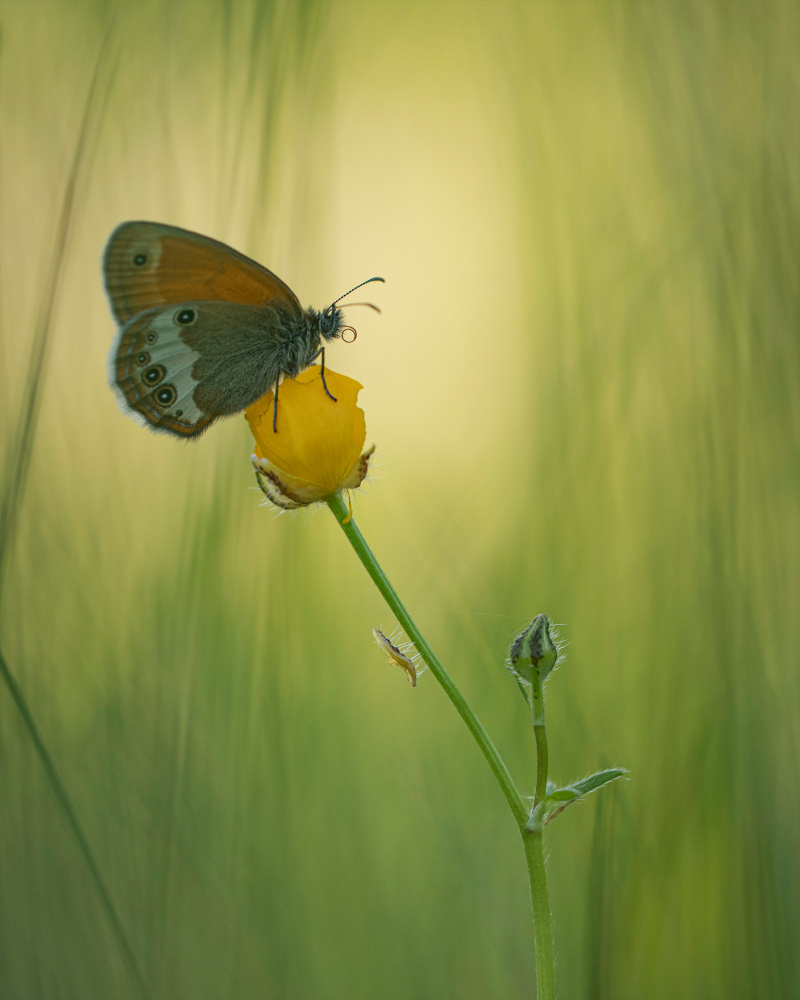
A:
(317, 448)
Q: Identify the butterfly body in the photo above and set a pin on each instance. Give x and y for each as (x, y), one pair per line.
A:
(203, 330)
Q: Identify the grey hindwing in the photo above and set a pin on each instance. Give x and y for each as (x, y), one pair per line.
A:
(243, 351)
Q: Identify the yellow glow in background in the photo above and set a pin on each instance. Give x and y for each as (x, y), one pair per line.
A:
(583, 388)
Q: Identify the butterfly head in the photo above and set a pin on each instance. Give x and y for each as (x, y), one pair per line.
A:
(330, 323)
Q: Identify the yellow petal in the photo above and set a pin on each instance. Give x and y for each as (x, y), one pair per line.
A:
(318, 442)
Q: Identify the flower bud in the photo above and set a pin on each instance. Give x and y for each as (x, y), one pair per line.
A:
(533, 649)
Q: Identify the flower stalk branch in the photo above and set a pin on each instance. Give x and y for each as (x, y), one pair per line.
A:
(532, 840)
(531, 834)
(496, 763)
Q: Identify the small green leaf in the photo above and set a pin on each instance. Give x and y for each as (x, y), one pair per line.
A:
(563, 795)
(558, 799)
(594, 781)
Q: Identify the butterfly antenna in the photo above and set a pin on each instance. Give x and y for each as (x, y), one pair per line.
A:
(353, 289)
(347, 305)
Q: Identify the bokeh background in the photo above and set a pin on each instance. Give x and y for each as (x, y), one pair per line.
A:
(583, 388)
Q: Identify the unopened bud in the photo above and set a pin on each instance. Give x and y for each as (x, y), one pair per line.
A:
(533, 649)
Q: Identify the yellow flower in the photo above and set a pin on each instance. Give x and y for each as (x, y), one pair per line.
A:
(317, 448)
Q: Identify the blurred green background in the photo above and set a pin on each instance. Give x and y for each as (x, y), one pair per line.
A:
(584, 392)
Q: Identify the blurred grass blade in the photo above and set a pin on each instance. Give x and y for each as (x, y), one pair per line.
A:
(15, 475)
(17, 465)
(72, 819)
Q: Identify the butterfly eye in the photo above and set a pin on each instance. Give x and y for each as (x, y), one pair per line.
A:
(166, 395)
(154, 375)
(142, 359)
(140, 259)
(151, 337)
(185, 317)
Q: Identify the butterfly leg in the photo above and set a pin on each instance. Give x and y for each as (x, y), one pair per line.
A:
(275, 410)
(322, 373)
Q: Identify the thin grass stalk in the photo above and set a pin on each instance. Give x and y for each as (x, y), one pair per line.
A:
(71, 816)
(15, 481)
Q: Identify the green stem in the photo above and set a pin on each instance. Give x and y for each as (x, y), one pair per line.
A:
(537, 717)
(495, 761)
(542, 927)
(72, 819)
(532, 840)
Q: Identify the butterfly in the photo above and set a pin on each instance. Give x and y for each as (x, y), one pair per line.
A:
(203, 330)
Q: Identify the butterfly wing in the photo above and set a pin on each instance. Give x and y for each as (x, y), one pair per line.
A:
(147, 264)
(181, 367)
